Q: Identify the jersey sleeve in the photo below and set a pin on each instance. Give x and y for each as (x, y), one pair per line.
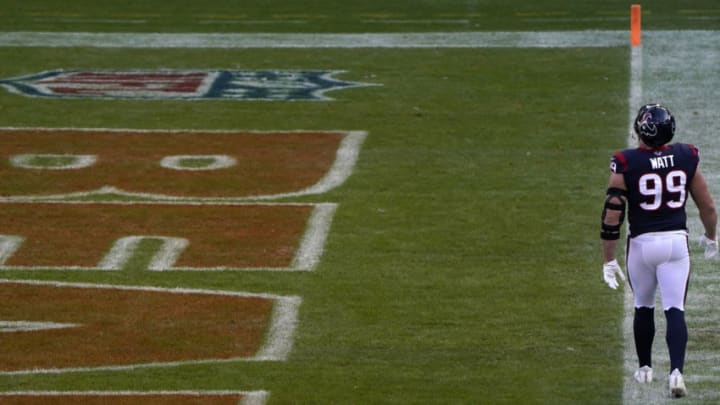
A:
(691, 156)
(694, 159)
(618, 163)
(694, 152)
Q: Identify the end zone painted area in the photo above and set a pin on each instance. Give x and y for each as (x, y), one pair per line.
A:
(280, 331)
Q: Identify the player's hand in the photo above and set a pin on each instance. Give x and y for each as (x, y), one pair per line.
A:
(610, 269)
(711, 247)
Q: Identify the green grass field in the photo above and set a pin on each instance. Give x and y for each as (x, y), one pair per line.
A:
(463, 263)
(347, 16)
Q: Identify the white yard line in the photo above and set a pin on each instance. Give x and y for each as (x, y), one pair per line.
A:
(518, 39)
(561, 39)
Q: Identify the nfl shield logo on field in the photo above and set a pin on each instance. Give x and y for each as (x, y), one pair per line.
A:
(184, 85)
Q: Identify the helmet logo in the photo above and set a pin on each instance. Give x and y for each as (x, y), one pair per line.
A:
(647, 127)
(654, 125)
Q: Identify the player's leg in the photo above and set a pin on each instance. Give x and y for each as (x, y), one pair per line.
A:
(673, 280)
(644, 284)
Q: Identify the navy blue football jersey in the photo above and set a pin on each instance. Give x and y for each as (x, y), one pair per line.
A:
(657, 183)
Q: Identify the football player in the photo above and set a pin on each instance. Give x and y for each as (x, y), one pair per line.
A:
(652, 183)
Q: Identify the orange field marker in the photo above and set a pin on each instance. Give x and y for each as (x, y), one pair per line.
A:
(635, 22)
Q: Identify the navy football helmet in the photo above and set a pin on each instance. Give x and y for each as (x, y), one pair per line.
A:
(655, 125)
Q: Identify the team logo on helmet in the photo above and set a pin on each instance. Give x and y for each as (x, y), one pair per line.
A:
(646, 126)
(655, 125)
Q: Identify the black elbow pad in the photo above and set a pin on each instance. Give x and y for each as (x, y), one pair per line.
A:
(612, 232)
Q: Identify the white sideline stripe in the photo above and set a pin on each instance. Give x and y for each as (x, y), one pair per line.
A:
(695, 319)
(249, 397)
(710, 357)
(632, 391)
(277, 346)
(705, 277)
(531, 39)
(683, 86)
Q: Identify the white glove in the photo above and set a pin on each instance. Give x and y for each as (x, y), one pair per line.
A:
(711, 247)
(610, 269)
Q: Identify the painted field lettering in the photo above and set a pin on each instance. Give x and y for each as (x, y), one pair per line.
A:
(198, 162)
(159, 237)
(52, 161)
(116, 327)
(48, 164)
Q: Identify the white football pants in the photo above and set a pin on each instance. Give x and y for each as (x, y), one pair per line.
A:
(659, 259)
